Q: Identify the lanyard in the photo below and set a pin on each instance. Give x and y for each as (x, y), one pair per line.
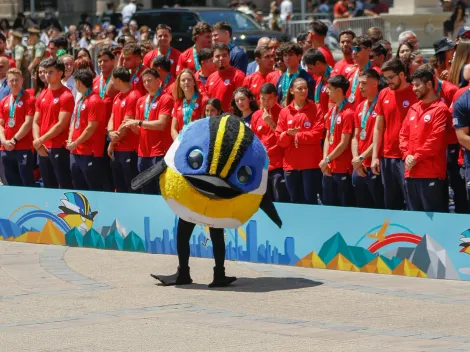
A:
(230, 46)
(167, 53)
(439, 87)
(79, 108)
(286, 81)
(189, 108)
(136, 72)
(320, 85)
(13, 104)
(334, 116)
(160, 90)
(365, 116)
(103, 88)
(355, 82)
(148, 105)
(197, 65)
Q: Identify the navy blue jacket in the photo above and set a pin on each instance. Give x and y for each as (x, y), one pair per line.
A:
(238, 59)
(310, 84)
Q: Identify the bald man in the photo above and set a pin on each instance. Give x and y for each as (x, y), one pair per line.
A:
(4, 91)
(253, 66)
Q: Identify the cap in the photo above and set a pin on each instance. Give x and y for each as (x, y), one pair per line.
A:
(442, 45)
(34, 30)
(463, 32)
(17, 34)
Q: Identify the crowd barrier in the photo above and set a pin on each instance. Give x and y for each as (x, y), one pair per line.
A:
(416, 244)
(360, 25)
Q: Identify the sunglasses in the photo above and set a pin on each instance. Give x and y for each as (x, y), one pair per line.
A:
(356, 49)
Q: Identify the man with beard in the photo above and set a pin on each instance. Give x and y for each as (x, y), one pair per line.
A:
(423, 145)
(226, 79)
(202, 37)
(343, 66)
(132, 60)
(164, 37)
(393, 104)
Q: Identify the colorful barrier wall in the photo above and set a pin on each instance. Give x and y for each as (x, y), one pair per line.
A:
(367, 240)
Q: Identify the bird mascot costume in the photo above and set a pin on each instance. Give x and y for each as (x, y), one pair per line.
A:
(214, 174)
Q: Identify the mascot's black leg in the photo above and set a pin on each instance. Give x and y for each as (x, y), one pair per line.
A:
(182, 276)
(218, 245)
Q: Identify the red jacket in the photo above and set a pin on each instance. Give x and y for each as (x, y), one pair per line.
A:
(268, 137)
(423, 135)
(307, 152)
(447, 94)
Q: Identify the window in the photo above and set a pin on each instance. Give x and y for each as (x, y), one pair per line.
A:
(238, 21)
(40, 5)
(179, 22)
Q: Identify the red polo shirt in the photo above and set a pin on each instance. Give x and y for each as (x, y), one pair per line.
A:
(154, 142)
(447, 93)
(369, 130)
(267, 136)
(307, 152)
(322, 106)
(92, 109)
(174, 57)
(198, 111)
(328, 55)
(423, 135)
(358, 96)
(137, 82)
(24, 107)
(344, 124)
(343, 67)
(273, 77)
(393, 105)
(109, 96)
(125, 105)
(186, 60)
(254, 82)
(50, 105)
(221, 85)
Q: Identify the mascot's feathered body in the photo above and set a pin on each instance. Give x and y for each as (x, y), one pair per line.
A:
(215, 174)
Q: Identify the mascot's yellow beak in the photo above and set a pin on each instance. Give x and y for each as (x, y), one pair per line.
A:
(212, 187)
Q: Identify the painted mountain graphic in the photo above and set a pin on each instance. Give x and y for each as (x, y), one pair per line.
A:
(10, 229)
(116, 227)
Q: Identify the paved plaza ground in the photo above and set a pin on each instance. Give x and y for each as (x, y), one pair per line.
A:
(55, 298)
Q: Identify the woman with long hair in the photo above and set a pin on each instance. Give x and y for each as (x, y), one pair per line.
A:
(84, 53)
(189, 102)
(39, 82)
(404, 51)
(299, 132)
(213, 107)
(461, 58)
(244, 104)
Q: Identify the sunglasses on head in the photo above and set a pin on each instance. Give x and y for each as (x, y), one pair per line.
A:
(356, 49)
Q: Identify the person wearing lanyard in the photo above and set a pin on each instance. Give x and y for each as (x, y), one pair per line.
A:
(244, 104)
(299, 131)
(336, 164)
(321, 71)
(86, 140)
(16, 118)
(202, 38)
(152, 120)
(164, 37)
(207, 67)
(361, 49)
(131, 58)
(162, 65)
(189, 102)
(368, 187)
(222, 34)
(292, 55)
(265, 59)
(124, 142)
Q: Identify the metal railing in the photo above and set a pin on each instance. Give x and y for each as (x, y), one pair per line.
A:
(294, 28)
(360, 25)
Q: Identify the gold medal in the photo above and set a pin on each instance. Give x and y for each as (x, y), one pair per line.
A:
(332, 139)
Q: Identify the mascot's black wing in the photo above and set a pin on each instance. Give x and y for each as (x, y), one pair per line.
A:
(145, 177)
(268, 207)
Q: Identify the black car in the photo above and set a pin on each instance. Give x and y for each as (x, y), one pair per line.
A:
(246, 31)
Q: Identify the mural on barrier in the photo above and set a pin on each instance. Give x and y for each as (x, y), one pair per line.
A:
(362, 240)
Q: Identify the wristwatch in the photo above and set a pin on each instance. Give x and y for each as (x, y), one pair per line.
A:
(140, 123)
(327, 159)
(15, 140)
(361, 158)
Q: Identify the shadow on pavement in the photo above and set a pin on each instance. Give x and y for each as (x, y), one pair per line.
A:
(259, 284)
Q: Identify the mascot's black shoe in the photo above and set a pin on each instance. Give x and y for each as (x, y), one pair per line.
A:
(220, 280)
(181, 277)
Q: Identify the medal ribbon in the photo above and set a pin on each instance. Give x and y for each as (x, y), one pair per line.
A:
(136, 72)
(286, 82)
(148, 105)
(13, 104)
(320, 85)
(356, 79)
(160, 90)
(439, 87)
(79, 108)
(103, 88)
(167, 53)
(365, 117)
(334, 116)
(230, 46)
(197, 65)
(189, 108)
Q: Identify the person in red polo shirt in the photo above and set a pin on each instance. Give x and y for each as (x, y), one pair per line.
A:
(226, 79)
(361, 49)
(164, 37)
(321, 71)
(162, 65)
(86, 137)
(423, 143)
(131, 59)
(50, 128)
(392, 107)
(153, 121)
(189, 102)
(336, 164)
(124, 141)
(265, 58)
(263, 125)
(343, 66)
(16, 119)
(299, 131)
(206, 60)
(317, 31)
(368, 187)
(202, 37)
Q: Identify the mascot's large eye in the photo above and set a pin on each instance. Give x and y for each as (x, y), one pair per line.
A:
(244, 174)
(195, 159)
